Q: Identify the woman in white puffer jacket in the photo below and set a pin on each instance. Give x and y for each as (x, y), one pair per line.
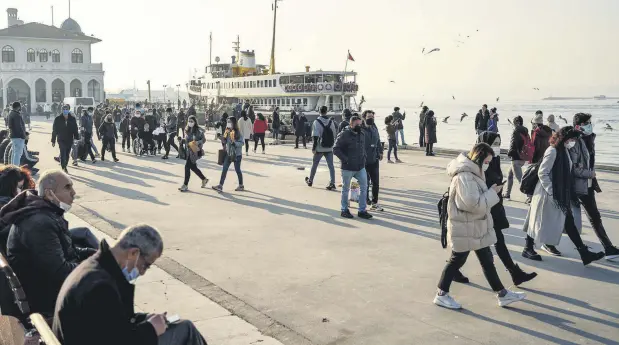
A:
(246, 127)
(470, 226)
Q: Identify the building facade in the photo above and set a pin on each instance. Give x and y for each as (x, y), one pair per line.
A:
(43, 64)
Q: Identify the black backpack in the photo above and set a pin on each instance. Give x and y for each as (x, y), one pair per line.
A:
(442, 217)
(529, 179)
(326, 139)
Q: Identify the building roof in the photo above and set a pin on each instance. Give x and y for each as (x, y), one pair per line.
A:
(71, 25)
(37, 30)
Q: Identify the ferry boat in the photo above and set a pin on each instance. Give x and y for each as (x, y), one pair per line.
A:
(242, 81)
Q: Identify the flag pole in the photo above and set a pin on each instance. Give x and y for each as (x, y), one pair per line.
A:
(344, 78)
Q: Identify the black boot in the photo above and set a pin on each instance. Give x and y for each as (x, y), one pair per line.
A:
(519, 276)
(588, 256)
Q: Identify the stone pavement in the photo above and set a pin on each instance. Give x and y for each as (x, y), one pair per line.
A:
(279, 256)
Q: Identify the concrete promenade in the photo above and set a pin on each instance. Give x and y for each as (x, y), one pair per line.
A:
(276, 263)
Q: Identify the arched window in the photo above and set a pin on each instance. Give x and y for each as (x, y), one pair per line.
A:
(8, 54)
(77, 56)
(43, 55)
(55, 55)
(30, 55)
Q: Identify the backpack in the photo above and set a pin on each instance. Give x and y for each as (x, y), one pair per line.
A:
(326, 139)
(442, 217)
(526, 153)
(529, 179)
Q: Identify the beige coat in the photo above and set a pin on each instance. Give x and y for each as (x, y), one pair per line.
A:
(470, 226)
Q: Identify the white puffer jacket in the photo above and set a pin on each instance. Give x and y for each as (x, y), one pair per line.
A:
(470, 226)
(246, 127)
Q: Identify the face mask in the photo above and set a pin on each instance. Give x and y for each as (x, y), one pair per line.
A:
(570, 144)
(497, 151)
(90, 113)
(587, 129)
(109, 120)
(369, 122)
(134, 274)
(191, 124)
(229, 125)
(62, 205)
(485, 167)
(357, 129)
(65, 112)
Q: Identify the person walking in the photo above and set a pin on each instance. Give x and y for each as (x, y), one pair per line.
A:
(233, 143)
(350, 149)
(181, 119)
(172, 131)
(299, 121)
(520, 138)
(276, 125)
(552, 124)
(125, 131)
(470, 226)
(323, 134)
(247, 129)
(346, 115)
(493, 121)
(109, 135)
(373, 154)
(399, 117)
(391, 129)
(481, 119)
(586, 182)
(17, 133)
(555, 207)
(260, 128)
(430, 126)
(86, 125)
(194, 137)
(494, 176)
(64, 131)
(422, 127)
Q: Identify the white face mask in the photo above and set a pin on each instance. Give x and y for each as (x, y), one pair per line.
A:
(191, 124)
(229, 125)
(62, 205)
(485, 167)
(497, 151)
(570, 145)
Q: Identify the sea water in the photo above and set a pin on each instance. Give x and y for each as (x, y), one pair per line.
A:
(456, 134)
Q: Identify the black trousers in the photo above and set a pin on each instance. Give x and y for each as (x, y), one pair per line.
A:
(591, 208)
(189, 166)
(373, 175)
(304, 141)
(422, 136)
(258, 136)
(160, 142)
(127, 139)
(246, 145)
(88, 146)
(569, 228)
(392, 146)
(457, 260)
(170, 143)
(65, 152)
(429, 148)
(108, 143)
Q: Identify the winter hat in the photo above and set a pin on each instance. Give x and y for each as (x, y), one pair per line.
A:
(518, 119)
(538, 119)
(581, 118)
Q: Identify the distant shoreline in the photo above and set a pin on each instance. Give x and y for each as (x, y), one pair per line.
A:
(575, 98)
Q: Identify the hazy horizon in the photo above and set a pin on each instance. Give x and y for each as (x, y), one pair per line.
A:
(562, 47)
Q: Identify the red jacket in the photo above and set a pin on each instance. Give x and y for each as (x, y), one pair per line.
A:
(260, 126)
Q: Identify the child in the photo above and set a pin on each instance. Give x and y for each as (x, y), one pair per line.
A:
(392, 127)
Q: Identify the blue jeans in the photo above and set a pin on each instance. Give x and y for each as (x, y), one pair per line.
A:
(401, 132)
(237, 167)
(317, 157)
(18, 150)
(276, 133)
(362, 177)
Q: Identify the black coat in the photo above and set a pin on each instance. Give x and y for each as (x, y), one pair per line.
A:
(299, 125)
(276, 121)
(64, 131)
(125, 126)
(17, 127)
(430, 127)
(345, 123)
(39, 248)
(373, 148)
(152, 122)
(516, 144)
(95, 306)
(481, 120)
(494, 175)
(108, 131)
(137, 124)
(541, 141)
(350, 149)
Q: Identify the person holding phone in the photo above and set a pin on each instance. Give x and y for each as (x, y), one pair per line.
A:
(494, 176)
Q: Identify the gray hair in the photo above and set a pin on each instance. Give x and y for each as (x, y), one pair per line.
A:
(48, 180)
(142, 236)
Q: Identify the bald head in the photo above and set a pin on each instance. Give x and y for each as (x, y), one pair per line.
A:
(56, 186)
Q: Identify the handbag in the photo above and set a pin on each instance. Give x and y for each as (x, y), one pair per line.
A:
(529, 179)
(221, 155)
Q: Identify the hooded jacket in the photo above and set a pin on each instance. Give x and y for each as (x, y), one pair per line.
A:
(541, 142)
(108, 131)
(39, 248)
(17, 127)
(517, 142)
(171, 124)
(430, 128)
(350, 149)
(373, 148)
(469, 225)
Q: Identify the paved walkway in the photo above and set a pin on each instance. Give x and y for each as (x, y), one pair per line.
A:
(279, 256)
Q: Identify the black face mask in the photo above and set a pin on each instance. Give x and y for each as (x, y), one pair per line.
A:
(357, 129)
(369, 122)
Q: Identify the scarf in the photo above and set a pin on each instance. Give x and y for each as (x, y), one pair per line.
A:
(563, 181)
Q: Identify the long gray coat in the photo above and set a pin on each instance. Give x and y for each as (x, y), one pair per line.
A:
(545, 221)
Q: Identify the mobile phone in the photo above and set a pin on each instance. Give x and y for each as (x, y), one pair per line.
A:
(172, 318)
(502, 183)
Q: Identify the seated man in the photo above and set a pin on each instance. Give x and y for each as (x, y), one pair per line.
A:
(40, 248)
(147, 140)
(95, 305)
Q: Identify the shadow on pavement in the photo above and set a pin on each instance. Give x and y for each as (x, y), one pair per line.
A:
(121, 191)
(575, 302)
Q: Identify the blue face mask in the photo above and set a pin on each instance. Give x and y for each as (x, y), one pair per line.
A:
(587, 129)
(65, 112)
(134, 274)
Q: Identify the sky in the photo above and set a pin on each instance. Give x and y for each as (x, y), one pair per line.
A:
(562, 47)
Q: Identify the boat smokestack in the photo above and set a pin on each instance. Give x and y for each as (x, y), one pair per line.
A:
(307, 68)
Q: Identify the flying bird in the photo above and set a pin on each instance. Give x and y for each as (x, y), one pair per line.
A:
(391, 81)
(454, 97)
(445, 119)
(510, 122)
(608, 127)
(561, 118)
(497, 99)
(421, 105)
(423, 50)
(536, 88)
(463, 116)
(433, 50)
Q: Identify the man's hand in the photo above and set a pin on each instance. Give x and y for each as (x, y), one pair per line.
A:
(158, 322)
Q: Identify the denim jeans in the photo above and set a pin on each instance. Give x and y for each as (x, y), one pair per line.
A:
(18, 150)
(93, 146)
(276, 133)
(237, 167)
(317, 157)
(514, 169)
(362, 177)
(401, 132)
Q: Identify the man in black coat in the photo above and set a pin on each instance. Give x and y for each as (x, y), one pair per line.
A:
(518, 140)
(40, 247)
(96, 303)
(298, 122)
(350, 149)
(64, 131)
(17, 133)
(86, 124)
(481, 119)
(373, 155)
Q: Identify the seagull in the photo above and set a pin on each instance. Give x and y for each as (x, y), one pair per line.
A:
(421, 105)
(536, 88)
(561, 118)
(497, 99)
(454, 97)
(510, 122)
(423, 50)
(608, 127)
(391, 81)
(445, 119)
(463, 116)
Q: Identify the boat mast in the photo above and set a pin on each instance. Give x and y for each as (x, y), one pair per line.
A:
(273, 43)
(210, 50)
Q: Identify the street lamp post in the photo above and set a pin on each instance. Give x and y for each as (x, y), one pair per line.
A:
(178, 94)
(164, 92)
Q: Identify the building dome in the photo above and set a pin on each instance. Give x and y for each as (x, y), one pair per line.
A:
(71, 25)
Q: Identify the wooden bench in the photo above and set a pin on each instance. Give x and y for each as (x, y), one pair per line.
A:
(46, 334)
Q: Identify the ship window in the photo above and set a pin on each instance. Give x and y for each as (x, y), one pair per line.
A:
(268, 83)
(274, 82)
(304, 101)
(310, 79)
(288, 101)
(284, 80)
(278, 101)
(319, 78)
(296, 79)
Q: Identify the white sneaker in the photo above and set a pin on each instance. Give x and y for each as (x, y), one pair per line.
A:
(183, 188)
(511, 297)
(376, 207)
(446, 301)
